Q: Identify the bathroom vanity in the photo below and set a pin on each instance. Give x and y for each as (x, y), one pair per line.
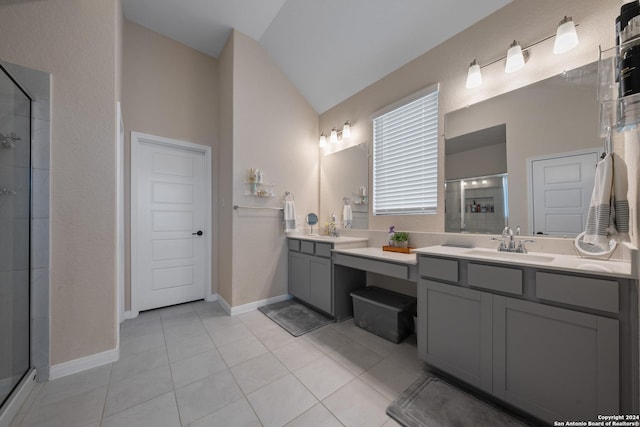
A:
(553, 336)
(311, 273)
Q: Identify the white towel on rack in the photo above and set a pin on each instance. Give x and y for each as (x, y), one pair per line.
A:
(599, 215)
(289, 215)
(620, 203)
(347, 216)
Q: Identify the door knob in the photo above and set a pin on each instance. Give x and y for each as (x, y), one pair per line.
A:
(198, 233)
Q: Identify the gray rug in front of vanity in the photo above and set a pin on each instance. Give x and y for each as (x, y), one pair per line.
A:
(432, 402)
(295, 318)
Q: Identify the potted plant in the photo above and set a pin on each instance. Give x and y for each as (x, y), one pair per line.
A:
(401, 239)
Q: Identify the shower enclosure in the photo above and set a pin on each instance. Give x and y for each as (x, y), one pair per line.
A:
(15, 214)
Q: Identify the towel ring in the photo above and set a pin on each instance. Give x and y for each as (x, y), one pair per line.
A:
(586, 250)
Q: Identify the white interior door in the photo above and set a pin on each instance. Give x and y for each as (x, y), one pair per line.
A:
(561, 188)
(171, 224)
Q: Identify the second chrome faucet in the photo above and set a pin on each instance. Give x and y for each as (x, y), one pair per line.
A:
(507, 242)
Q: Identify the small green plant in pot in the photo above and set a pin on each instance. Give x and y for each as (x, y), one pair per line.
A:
(401, 239)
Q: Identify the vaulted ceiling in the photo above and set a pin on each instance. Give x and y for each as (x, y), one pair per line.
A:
(329, 49)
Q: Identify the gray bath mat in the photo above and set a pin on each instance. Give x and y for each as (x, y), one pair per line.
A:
(295, 318)
(432, 402)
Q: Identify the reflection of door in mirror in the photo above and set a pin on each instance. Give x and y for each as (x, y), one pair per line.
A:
(560, 188)
(344, 178)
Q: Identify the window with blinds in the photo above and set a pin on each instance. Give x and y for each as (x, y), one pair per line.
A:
(405, 158)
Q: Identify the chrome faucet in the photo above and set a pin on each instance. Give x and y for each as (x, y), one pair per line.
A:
(508, 244)
(511, 244)
(333, 230)
(521, 246)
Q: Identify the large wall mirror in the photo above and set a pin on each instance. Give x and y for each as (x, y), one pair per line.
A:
(344, 178)
(543, 140)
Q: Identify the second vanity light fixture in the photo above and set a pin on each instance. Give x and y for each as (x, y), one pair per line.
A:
(566, 39)
(336, 135)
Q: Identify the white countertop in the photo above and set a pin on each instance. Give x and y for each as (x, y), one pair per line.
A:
(559, 262)
(329, 239)
(378, 253)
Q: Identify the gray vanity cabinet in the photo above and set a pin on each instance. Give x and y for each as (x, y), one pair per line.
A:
(546, 342)
(555, 363)
(455, 331)
(310, 273)
(320, 283)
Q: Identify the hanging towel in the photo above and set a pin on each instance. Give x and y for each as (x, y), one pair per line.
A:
(599, 214)
(620, 205)
(347, 216)
(289, 215)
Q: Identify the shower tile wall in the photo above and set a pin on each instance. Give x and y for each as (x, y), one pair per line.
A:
(38, 85)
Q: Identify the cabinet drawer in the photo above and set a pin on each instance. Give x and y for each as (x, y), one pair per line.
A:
(323, 249)
(586, 292)
(500, 279)
(294, 245)
(443, 269)
(306, 247)
(380, 267)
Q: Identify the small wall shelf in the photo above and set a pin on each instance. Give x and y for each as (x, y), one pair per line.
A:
(260, 189)
(617, 113)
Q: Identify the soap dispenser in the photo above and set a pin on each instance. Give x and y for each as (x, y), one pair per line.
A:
(391, 236)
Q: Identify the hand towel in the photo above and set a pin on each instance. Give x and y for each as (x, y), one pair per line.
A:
(620, 205)
(289, 215)
(599, 214)
(347, 216)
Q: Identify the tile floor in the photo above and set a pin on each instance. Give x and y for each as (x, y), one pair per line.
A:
(193, 365)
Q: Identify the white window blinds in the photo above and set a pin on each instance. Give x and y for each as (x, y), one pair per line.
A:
(405, 158)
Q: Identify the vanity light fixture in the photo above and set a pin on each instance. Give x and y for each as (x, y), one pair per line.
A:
(323, 140)
(346, 130)
(566, 39)
(336, 134)
(566, 36)
(515, 58)
(474, 76)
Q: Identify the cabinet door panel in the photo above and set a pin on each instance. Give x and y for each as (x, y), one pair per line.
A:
(320, 283)
(299, 275)
(454, 331)
(557, 364)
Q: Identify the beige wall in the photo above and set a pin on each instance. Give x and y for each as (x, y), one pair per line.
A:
(169, 90)
(447, 64)
(75, 41)
(276, 130)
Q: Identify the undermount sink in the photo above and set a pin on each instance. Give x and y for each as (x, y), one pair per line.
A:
(512, 256)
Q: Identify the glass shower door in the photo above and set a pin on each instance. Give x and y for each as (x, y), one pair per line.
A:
(15, 209)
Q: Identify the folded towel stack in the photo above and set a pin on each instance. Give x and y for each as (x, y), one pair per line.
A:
(347, 216)
(289, 216)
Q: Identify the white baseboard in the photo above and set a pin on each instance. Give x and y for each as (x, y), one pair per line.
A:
(211, 297)
(244, 308)
(224, 304)
(84, 363)
(129, 315)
